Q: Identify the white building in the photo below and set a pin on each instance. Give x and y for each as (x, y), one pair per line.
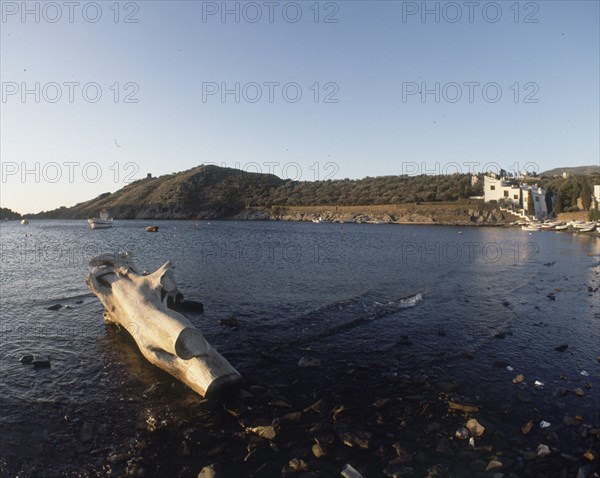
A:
(597, 193)
(498, 189)
(539, 200)
(495, 189)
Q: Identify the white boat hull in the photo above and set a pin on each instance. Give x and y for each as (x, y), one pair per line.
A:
(99, 224)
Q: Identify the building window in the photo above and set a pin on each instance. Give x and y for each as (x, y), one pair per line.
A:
(492, 188)
(505, 194)
(516, 196)
(537, 198)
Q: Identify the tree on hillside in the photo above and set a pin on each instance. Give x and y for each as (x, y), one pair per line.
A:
(8, 214)
(530, 204)
(548, 199)
(586, 194)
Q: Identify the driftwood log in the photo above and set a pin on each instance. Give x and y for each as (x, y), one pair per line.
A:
(137, 301)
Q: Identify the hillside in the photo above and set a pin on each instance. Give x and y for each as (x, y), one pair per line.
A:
(8, 214)
(571, 170)
(202, 192)
(210, 192)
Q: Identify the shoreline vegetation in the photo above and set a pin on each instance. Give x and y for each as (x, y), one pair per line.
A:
(209, 192)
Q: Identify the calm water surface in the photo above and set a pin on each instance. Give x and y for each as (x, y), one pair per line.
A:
(337, 290)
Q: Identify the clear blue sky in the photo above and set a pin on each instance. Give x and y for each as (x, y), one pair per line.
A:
(373, 60)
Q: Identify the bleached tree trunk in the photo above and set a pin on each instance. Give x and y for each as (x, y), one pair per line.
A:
(138, 303)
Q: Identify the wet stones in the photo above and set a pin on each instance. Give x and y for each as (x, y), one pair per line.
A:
(543, 450)
(266, 432)
(54, 307)
(26, 359)
(353, 438)
(399, 471)
(579, 392)
(475, 428)
(209, 472)
(527, 427)
(318, 450)
(462, 408)
(561, 348)
(380, 403)
(494, 465)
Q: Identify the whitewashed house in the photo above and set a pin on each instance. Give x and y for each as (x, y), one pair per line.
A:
(539, 200)
(597, 193)
(498, 189)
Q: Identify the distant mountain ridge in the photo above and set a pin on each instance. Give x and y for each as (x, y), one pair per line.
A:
(572, 170)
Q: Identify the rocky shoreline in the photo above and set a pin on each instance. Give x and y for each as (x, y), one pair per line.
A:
(449, 216)
(290, 419)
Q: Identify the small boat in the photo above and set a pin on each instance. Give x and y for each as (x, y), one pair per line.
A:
(317, 220)
(24, 222)
(587, 229)
(549, 225)
(584, 225)
(532, 227)
(152, 228)
(562, 227)
(103, 221)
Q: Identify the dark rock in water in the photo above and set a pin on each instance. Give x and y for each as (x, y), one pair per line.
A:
(506, 303)
(181, 305)
(551, 296)
(232, 322)
(55, 307)
(309, 362)
(79, 302)
(561, 348)
(500, 364)
(26, 359)
(500, 335)
(40, 362)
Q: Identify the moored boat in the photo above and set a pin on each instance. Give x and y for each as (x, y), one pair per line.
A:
(587, 229)
(152, 228)
(561, 227)
(103, 221)
(584, 225)
(24, 222)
